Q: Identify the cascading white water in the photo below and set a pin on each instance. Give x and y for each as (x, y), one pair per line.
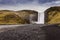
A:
(40, 18)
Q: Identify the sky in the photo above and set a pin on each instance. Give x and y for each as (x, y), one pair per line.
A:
(38, 5)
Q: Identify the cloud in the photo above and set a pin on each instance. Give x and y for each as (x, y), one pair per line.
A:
(53, 3)
(45, 1)
(34, 5)
(13, 2)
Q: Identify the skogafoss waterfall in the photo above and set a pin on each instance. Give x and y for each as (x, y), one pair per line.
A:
(40, 18)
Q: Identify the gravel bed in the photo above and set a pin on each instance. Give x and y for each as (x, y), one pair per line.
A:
(32, 32)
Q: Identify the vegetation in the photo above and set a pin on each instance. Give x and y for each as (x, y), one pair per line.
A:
(16, 17)
(52, 15)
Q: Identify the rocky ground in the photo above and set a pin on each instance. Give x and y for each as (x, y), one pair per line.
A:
(31, 32)
(28, 32)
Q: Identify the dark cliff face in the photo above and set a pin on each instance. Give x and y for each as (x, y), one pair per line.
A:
(52, 15)
(17, 17)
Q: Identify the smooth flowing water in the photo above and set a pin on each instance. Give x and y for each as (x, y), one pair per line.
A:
(40, 18)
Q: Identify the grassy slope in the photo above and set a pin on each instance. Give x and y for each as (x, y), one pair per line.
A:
(15, 17)
(53, 15)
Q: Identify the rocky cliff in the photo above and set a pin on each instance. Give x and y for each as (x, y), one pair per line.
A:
(52, 15)
(29, 15)
(16, 17)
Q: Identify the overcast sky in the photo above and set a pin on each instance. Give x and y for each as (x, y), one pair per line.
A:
(38, 5)
(12, 2)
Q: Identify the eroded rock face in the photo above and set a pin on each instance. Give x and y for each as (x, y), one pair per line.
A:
(29, 15)
(16, 17)
(52, 15)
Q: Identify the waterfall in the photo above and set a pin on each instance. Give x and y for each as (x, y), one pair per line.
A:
(40, 18)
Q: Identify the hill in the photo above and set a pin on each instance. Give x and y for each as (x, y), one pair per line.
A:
(29, 15)
(52, 15)
(16, 17)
